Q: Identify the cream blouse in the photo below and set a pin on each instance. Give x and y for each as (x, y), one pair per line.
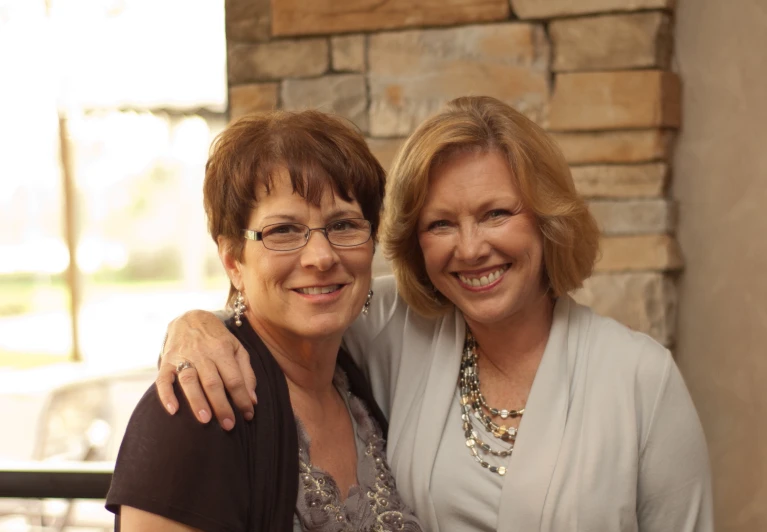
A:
(610, 440)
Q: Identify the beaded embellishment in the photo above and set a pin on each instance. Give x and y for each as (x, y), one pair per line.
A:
(380, 509)
(474, 408)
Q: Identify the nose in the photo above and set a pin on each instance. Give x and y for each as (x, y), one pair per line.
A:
(471, 246)
(318, 252)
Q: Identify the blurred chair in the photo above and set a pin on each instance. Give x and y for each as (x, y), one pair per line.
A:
(82, 421)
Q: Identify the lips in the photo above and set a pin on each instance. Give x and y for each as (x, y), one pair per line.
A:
(482, 280)
(317, 290)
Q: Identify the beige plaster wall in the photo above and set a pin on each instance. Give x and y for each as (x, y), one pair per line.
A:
(720, 181)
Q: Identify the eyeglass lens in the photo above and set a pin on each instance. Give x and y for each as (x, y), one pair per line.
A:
(285, 236)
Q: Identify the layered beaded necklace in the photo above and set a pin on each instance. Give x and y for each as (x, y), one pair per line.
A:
(474, 408)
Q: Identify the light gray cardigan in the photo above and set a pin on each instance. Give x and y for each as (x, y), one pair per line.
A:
(610, 440)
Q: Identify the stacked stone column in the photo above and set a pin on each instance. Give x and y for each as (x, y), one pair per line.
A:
(596, 73)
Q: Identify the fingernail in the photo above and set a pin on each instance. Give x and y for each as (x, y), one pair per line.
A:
(248, 415)
(171, 408)
(253, 397)
(204, 416)
(228, 424)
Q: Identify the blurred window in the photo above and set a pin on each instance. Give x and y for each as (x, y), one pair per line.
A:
(107, 111)
(131, 93)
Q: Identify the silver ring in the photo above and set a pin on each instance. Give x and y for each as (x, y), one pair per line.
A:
(181, 366)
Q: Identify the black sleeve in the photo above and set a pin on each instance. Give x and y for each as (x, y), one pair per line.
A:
(178, 468)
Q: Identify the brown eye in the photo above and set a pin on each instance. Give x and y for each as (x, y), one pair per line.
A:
(439, 224)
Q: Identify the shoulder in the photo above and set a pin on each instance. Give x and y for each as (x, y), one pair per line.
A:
(178, 441)
(178, 468)
(386, 309)
(612, 343)
(624, 368)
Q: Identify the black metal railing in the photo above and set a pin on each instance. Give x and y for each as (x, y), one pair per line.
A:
(51, 480)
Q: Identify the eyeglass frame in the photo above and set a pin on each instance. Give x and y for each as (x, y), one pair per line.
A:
(257, 236)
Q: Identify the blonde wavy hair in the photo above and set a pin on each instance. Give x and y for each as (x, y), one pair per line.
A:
(541, 174)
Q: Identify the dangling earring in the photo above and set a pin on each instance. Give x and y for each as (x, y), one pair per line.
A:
(239, 308)
(366, 308)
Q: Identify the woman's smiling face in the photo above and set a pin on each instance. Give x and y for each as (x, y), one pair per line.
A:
(482, 248)
(313, 292)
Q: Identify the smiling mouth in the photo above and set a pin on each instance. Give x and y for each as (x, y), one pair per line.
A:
(317, 290)
(482, 280)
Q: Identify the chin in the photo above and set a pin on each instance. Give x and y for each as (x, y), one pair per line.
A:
(321, 328)
(488, 313)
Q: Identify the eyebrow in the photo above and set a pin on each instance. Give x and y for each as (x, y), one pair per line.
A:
(277, 218)
(494, 203)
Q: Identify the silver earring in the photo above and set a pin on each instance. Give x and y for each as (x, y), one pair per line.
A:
(239, 308)
(366, 308)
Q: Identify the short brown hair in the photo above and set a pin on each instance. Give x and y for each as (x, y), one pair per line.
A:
(570, 233)
(317, 150)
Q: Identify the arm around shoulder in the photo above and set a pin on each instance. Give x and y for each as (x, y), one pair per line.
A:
(674, 485)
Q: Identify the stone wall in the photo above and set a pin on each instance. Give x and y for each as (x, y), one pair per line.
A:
(594, 72)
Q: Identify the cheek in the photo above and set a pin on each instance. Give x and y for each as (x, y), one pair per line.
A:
(260, 272)
(430, 249)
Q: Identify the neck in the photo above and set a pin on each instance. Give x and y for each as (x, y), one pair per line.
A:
(308, 364)
(519, 339)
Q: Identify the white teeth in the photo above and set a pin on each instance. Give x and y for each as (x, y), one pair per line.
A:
(315, 290)
(484, 280)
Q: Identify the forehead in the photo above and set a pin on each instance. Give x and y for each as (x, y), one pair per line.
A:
(468, 176)
(278, 196)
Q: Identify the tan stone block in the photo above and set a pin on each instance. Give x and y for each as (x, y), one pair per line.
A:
(385, 150)
(413, 73)
(637, 253)
(342, 94)
(615, 100)
(536, 9)
(299, 17)
(645, 302)
(248, 20)
(348, 53)
(620, 181)
(278, 59)
(244, 99)
(615, 146)
(634, 217)
(611, 42)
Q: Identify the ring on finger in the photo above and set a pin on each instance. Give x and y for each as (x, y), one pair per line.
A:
(181, 366)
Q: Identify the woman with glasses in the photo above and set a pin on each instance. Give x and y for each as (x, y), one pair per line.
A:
(293, 201)
(510, 407)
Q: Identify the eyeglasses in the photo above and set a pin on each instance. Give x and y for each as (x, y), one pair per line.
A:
(345, 233)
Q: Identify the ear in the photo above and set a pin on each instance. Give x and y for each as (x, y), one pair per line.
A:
(232, 266)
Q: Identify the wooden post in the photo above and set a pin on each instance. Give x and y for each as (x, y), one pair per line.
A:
(71, 233)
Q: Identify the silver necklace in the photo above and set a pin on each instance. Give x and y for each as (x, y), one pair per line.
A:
(472, 405)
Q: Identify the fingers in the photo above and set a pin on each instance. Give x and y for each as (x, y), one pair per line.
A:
(220, 364)
(243, 360)
(190, 383)
(231, 374)
(164, 382)
(213, 386)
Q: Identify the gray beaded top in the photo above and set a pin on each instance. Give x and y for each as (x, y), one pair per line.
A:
(373, 505)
